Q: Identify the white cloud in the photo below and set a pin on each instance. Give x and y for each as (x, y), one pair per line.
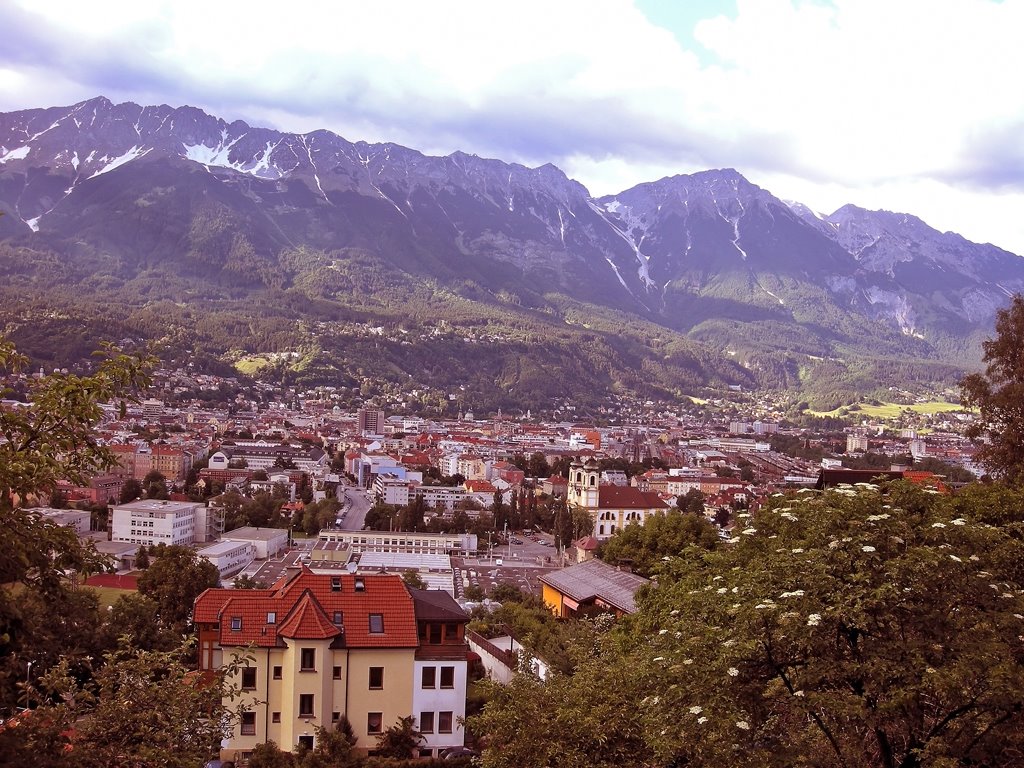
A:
(909, 106)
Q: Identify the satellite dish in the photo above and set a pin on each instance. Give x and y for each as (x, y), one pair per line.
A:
(351, 567)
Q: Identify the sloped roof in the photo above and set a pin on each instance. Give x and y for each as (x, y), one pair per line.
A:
(627, 497)
(595, 579)
(302, 601)
(436, 605)
(308, 621)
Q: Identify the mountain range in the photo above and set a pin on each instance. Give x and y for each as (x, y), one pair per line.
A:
(307, 257)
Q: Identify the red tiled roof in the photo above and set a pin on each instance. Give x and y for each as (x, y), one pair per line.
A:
(308, 621)
(383, 594)
(627, 497)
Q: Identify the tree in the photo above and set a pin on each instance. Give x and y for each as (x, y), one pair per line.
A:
(248, 582)
(175, 580)
(48, 440)
(666, 534)
(130, 491)
(137, 617)
(413, 579)
(691, 501)
(997, 395)
(868, 626)
(141, 708)
(155, 485)
(142, 558)
(401, 740)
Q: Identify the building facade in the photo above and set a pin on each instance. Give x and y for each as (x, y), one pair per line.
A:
(326, 646)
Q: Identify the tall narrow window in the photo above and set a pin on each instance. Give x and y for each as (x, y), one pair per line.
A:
(248, 678)
(307, 660)
(375, 722)
(376, 623)
(447, 677)
(426, 722)
(248, 723)
(305, 705)
(376, 677)
(429, 677)
(444, 722)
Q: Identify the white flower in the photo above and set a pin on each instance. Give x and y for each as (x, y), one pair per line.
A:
(833, 544)
(959, 521)
(797, 551)
(938, 525)
(658, 658)
(662, 631)
(814, 620)
(806, 490)
(687, 662)
(743, 725)
(701, 720)
(790, 516)
(794, 593)
(955, 558)
(867, 548)
(1018, 616)
(749, 531)
(735, 590)
(974, 558)
(733, 540)
(722, 590)
(675, 612)
(798, 693)
(696, 710)
(729, 643)
(733, 672)
(874, 518)
(717, 578)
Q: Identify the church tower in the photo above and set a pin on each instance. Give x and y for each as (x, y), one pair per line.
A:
(584, 479)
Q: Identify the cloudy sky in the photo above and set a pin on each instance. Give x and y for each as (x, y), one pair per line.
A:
(907, 105)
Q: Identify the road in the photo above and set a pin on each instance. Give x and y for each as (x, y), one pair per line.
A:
(355, 503)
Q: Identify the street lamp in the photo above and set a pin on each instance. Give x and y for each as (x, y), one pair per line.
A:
(28, 683)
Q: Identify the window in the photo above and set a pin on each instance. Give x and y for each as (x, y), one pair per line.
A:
(271, 617)
(248, 723)
(335, 717)
(429, 677)
(236, 623)
(248, 678)
(444, 722)
(275, 717)
(307, 660)
(447, 677)
(426, 722)
(375, 722)
(336, 673)
(335, 583)
(376, 677)
(277, 673)
(435, 634)
(376, 623)
(305, 705)
(306, 742)
(338, 617)
(451, 632)
(360, 585)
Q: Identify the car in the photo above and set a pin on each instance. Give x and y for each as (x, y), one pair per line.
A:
(453, 753)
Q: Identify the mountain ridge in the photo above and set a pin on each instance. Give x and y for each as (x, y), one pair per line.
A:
(121, 191)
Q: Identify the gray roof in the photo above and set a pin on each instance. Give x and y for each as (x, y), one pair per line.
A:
(596, 579)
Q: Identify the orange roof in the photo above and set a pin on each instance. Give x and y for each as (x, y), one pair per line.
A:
(308, 621)
(300, 603)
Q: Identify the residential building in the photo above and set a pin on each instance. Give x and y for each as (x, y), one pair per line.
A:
(370, 421)
(327, 646)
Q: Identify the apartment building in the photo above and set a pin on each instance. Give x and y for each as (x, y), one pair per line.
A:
(324, 646)
(156, 521)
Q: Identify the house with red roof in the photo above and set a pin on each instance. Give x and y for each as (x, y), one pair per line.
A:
(319, 647)
(612, 507)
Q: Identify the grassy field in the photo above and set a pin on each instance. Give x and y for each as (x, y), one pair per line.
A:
(108, 595)
(890, 411)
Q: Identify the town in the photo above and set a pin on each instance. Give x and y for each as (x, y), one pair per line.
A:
(348, 546)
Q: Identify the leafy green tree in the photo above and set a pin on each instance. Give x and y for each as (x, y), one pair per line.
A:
(137, 617)
(141, 708)
(142, 558)
(997, 395)
(248, 582)
(662, 535)
(691, 501)
(413, 579)
(401, 740)
(155, 485)
(865, 626)
(175, 580)
(269, 755)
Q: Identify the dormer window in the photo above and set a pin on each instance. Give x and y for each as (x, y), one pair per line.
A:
(376, 623)
(236, 623)
(335, 583)
(271, 617)
(338, 616)
(360, 585)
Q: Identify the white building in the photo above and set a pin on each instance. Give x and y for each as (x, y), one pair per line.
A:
(268, 542)
(229, 557)
(75, 519)
(156, 521)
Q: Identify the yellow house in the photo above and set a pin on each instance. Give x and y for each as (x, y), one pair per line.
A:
(327, 646)
(590, 586)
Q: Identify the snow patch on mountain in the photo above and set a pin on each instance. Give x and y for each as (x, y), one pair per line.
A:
(18, 153)
(116, 162)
